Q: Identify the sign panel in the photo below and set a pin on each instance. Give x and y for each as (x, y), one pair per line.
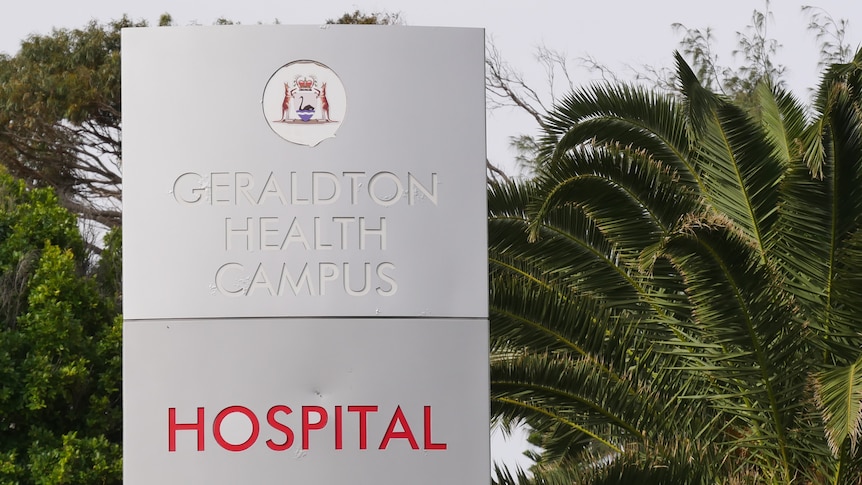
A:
(307, 401)
(305, 270)
(275, 171)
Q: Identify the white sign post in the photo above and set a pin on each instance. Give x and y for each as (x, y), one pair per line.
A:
(305, 289)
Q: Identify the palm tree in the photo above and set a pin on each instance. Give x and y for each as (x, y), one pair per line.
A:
(676, 296)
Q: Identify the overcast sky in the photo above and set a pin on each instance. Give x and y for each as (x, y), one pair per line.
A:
(614, 32)
(618, 33)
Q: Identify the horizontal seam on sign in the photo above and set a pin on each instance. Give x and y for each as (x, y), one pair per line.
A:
(316, 317)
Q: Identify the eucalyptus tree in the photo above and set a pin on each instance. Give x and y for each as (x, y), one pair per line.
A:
(360, 17)
(60, 117)
(676, 295)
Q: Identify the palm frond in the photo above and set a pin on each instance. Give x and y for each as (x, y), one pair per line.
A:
(675, 297)
(820, 219)
(635, 200)
(783, 120)
(839, 396)
(622, 117)
(759, 364)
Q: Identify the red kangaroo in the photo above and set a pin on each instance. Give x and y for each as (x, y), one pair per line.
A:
(324, 104)
(286, 103)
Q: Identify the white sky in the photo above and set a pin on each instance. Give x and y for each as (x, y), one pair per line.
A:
(618, 33)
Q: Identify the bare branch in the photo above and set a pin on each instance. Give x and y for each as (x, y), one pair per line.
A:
(495, 171)
(507, 87)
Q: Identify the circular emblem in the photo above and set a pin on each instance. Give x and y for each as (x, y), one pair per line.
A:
(304, 102)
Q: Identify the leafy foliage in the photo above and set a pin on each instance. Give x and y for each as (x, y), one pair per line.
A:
(358, 17)
(675, 296)
(60, 347)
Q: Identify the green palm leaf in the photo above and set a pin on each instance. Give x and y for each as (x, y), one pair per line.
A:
(839, 397)
(682, 282)
(624, 117)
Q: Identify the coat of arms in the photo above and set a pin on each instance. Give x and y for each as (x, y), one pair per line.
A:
(304, 102)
